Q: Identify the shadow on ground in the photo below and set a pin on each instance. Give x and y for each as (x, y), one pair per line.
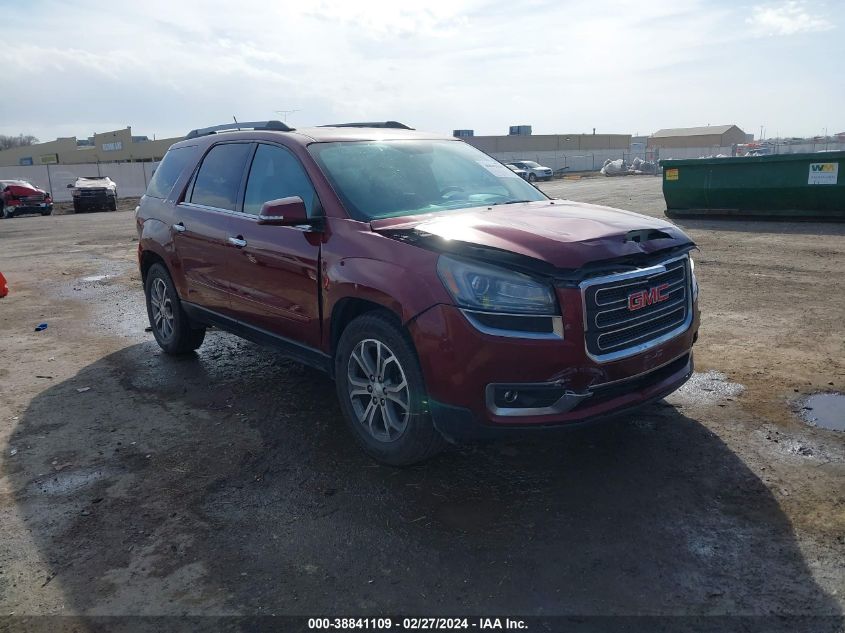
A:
(759, 225)
(225, 483)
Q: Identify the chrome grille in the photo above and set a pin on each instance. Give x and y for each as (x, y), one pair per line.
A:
(34, 198)
(628, 313)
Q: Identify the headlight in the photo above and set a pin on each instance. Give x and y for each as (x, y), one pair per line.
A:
(74, 192)
(694, 280)
(492, 289)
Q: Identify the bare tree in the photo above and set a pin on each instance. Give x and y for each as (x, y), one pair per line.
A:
(21, 140)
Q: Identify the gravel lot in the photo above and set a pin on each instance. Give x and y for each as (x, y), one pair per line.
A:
(225, 483)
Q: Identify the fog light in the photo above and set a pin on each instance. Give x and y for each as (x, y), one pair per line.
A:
(525, 396)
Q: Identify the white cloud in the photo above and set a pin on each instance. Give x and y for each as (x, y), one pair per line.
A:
(786, 18)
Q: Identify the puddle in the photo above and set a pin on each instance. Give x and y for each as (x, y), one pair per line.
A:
(825, 410)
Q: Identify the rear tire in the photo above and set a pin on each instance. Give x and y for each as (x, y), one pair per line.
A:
(382, 393)
(532, 177)
(113, 205)
(174, 331)
(48, 212)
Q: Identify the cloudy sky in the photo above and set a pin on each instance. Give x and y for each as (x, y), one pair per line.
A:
(70, 68)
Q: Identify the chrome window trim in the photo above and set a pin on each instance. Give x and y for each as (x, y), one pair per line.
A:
(638, 275)
(206, 207)
(556, 333)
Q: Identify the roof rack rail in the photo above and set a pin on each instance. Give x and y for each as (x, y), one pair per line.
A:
(388, 124)
(276, 126)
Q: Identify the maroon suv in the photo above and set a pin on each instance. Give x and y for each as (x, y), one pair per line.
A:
(446, 296)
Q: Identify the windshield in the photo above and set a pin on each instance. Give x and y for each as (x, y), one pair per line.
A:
(381, 179)
(531, 163)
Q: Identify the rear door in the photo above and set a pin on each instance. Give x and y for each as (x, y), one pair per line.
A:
(201, 227)
(274, 275)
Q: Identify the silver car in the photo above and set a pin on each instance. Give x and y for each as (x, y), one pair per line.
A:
(535, 171)
(519, 172)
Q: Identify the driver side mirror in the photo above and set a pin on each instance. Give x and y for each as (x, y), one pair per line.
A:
(284, 212)
(70, 186)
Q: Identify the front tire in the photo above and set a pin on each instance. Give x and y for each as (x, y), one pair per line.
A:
(6, 213)
(77, 207)
(382, 393)
(174, 331)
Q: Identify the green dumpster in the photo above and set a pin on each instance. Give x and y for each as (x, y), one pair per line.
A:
(787, 186)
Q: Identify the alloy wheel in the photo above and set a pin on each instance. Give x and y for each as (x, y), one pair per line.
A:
(378, 390)
(162, 308)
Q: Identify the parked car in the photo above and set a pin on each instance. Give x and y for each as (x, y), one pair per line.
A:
(519, 172)
(94, 193)
(18, 197)
(448, 298)
(535, 171)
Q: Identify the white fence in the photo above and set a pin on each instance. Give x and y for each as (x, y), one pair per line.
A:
(779, 148)
(131, 178)
(578, 160)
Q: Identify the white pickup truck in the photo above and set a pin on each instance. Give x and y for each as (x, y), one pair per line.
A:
(94, 193)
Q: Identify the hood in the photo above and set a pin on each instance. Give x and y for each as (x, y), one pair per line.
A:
(562, 233)
(94, 183)
(22, 190)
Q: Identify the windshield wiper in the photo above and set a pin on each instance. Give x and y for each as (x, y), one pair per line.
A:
(511, 202)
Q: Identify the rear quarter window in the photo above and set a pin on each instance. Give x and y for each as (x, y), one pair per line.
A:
(168, 171)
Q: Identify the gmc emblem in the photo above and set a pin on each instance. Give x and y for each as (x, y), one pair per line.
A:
(642, 298)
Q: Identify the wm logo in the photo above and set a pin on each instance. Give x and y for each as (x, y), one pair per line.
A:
(823, 167)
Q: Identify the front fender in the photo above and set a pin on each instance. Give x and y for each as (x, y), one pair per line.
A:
(404, 291)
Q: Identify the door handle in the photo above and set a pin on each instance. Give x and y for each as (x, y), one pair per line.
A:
(179, 228)
(237, 242)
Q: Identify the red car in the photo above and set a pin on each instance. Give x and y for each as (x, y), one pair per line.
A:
(448, 298)
(18, 197)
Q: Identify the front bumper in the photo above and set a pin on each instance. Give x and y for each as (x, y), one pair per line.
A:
(41, 207)
(458, 423)
(460, 363)
(99, 199)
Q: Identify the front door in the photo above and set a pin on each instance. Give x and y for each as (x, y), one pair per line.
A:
(201, 229)
(275, 276)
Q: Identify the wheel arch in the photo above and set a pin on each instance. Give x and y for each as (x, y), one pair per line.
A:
(347, 309)
(146, 261)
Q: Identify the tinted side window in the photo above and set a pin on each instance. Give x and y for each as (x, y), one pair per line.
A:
(219, 177)
(276, 173)
(167, 173)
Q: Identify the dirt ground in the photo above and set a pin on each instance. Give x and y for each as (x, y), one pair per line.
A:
(225, 484)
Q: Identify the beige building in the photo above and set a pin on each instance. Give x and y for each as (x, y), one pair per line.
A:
(697, 137)
(531, 144)
(118, 146)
